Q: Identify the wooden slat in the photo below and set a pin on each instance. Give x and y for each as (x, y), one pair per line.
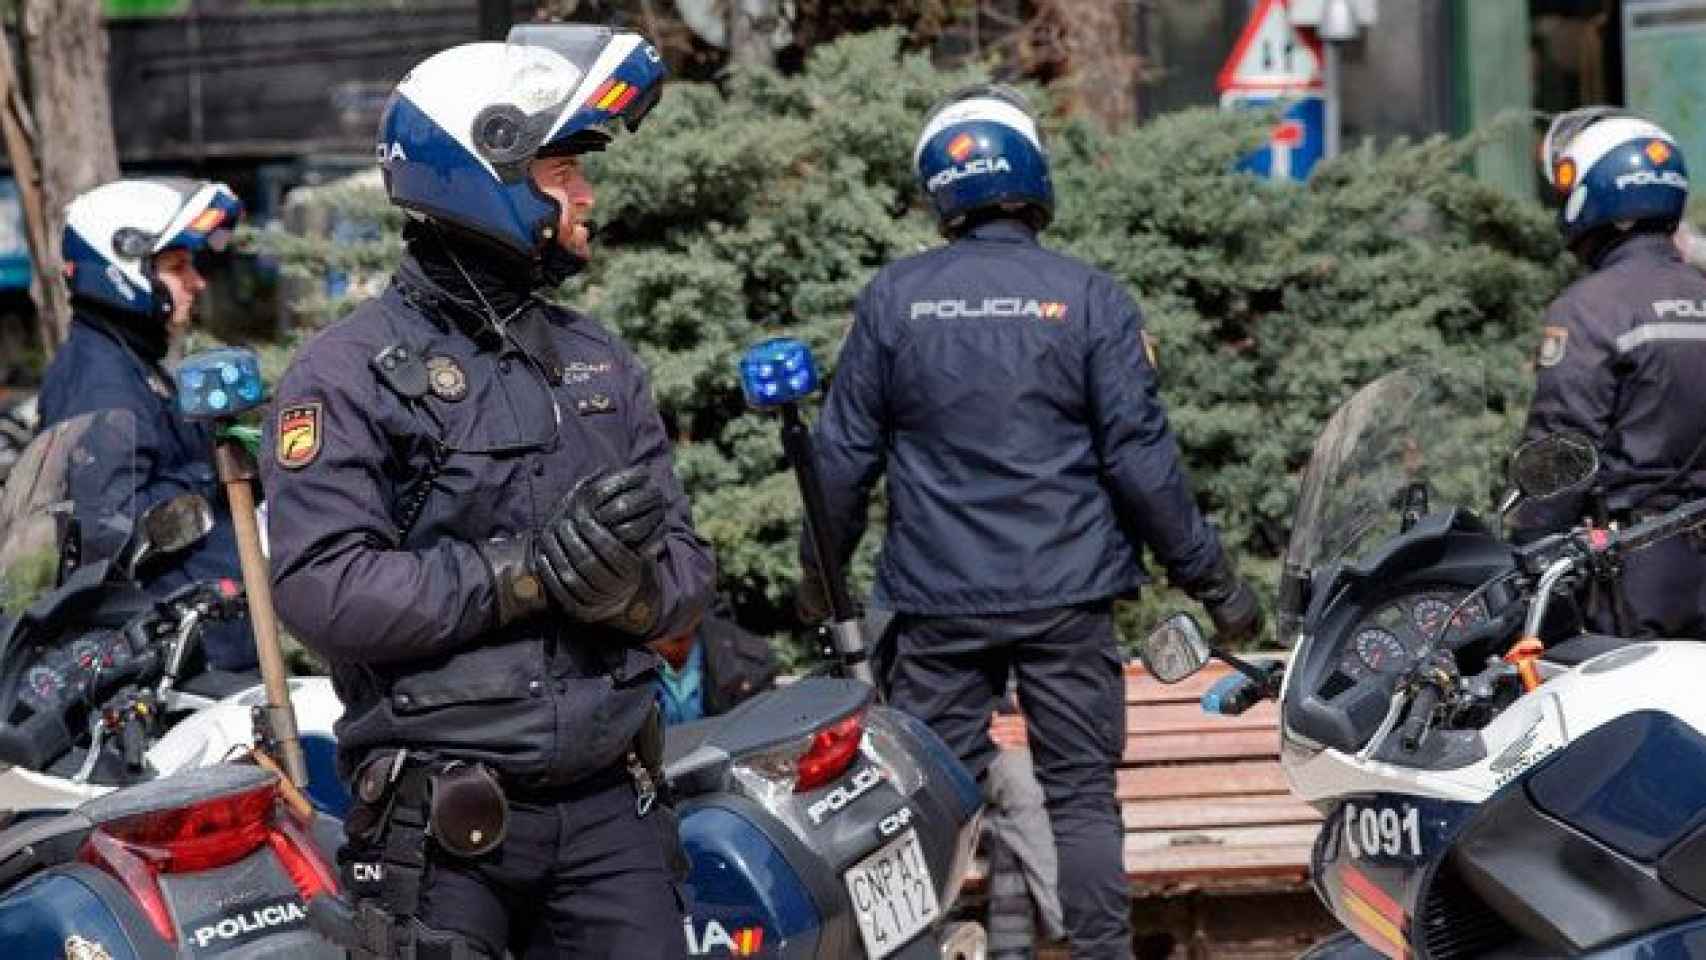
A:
(1189, 718)
(1231, 811)
(1142, 749)
(1140, 687)
(1201, 780)
(1210, 865)
(1261, 837)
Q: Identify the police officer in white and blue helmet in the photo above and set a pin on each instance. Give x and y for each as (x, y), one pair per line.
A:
(1006, 392)
(131, 250)
(1622, 360)
(476, 522)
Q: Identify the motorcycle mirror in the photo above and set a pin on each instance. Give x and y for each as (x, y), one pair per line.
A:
(171, 526)
(1553, 465)
(1175, 649)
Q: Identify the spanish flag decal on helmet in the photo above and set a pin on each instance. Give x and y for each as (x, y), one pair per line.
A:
(298, 435)
(961, 146)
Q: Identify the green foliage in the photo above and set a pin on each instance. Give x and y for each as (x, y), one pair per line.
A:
(26, 579)
(763, 207)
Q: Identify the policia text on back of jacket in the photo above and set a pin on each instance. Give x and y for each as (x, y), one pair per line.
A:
(1004, 390)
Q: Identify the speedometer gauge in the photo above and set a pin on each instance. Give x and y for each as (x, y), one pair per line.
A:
(1381, 650)
(1430, 614)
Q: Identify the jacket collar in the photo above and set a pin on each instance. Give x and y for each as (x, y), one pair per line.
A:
(1642, 246)
(451, 312)
(1002, 230)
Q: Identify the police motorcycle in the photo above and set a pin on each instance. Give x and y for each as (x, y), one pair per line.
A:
(127, 835)
(1495, 782)
(818, 821)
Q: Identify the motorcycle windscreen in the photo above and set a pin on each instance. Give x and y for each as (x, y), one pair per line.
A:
(1420, 439)
(73, 489)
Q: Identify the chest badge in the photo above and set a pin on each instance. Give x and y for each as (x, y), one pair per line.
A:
(1552, 346)
(446, 379)
(298, 435)
(595, 403)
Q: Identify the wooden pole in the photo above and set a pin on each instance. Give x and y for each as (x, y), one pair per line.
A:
(236, 471)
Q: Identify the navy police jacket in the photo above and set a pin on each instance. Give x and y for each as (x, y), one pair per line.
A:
(403, 609)
(1005, 390)
(102, 366)
(1622, 362)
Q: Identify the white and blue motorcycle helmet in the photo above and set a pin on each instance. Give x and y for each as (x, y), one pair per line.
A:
(982, 148)
(113, 232)
(1613, 170)
(459, 132)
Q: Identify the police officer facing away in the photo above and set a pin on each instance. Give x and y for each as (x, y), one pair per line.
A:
(1623, 360)
(1005, 391)
(129, 249)
(476, 523)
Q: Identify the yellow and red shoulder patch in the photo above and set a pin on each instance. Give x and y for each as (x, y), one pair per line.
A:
(298, 435)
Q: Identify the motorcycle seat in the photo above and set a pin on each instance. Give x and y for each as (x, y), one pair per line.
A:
(1584, 647)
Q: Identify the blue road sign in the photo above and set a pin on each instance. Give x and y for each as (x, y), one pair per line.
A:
(1296, 141)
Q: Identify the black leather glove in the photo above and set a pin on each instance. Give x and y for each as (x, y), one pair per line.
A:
(589, 572)
(630, 506)
(519, 593)
(1231, 604)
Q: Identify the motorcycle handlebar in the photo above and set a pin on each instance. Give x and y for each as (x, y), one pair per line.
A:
(1662, 527)
(1416, 725)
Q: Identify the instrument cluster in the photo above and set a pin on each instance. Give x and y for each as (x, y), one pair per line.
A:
(1390, 640)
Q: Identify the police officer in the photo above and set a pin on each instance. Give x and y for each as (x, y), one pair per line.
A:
(1005, 390)
(130, 251)
(475, 521)
(1622, 360)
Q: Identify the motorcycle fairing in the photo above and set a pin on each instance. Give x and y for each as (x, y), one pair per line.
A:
(1374, 860)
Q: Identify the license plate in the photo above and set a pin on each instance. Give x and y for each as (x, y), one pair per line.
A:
(893, 895)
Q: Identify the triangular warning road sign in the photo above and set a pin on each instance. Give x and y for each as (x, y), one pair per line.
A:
(1272, 54)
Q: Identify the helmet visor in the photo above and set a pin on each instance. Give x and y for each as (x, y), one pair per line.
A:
(204, 222)
(1565, 127)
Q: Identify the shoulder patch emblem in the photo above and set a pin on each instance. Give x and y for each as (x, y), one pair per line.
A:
(298, 435)
(446, 378)
(1552, 346)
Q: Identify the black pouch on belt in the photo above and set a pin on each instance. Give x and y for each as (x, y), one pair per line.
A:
(469, 815)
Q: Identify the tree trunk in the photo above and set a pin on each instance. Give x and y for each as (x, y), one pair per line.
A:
(19, 133)
(66, 44)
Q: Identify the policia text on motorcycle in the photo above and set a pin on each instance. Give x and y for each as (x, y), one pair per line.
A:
(1007, 544)
(1622, 362)
(481, 544)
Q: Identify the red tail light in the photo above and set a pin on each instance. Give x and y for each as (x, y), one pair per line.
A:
(136, 850)
(831, 750)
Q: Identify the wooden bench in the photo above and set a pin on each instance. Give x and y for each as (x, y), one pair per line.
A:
(1204, 802)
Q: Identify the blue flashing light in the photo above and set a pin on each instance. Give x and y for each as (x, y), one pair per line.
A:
(219, 383)
(776, 372)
